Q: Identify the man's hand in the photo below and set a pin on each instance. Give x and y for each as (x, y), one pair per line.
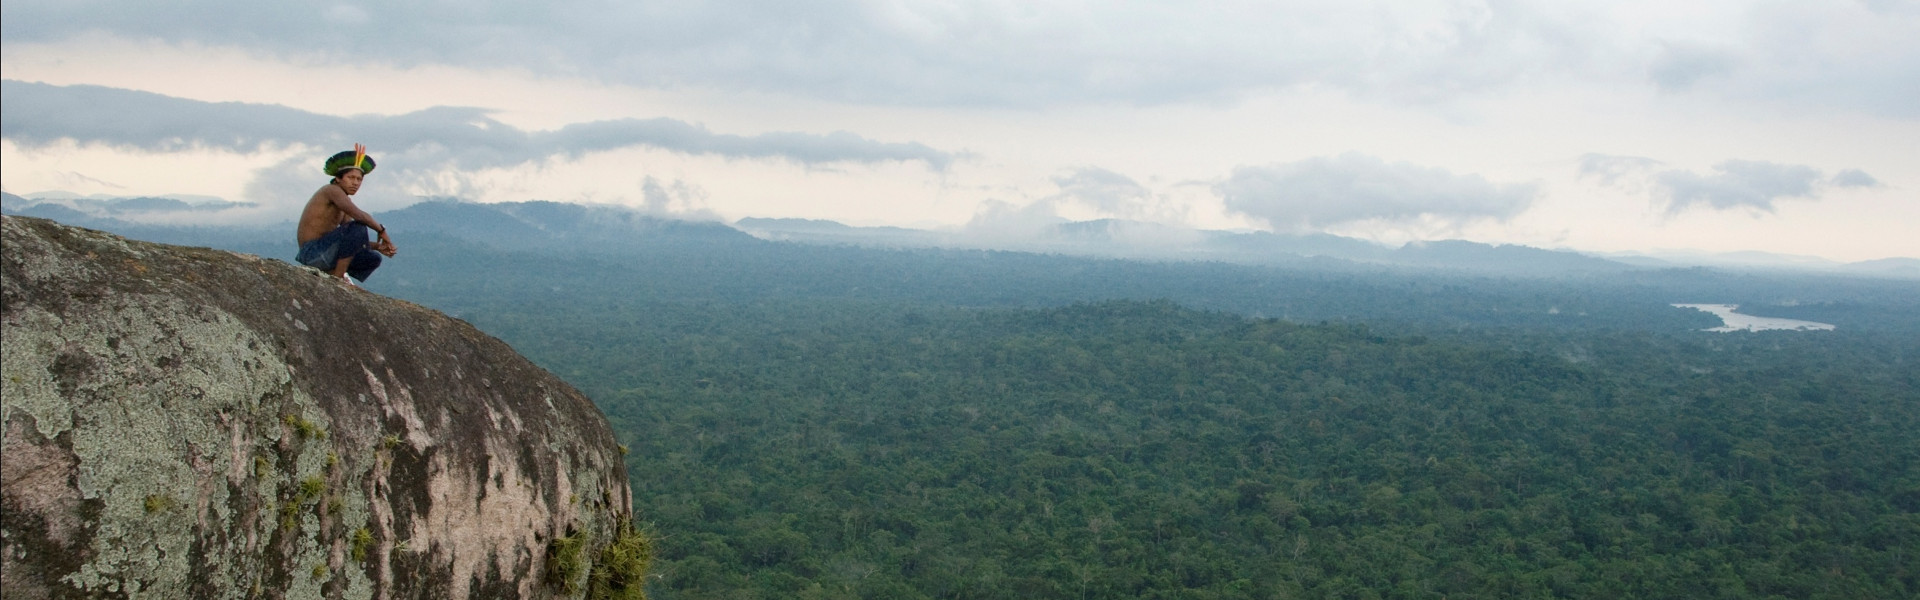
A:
(385, 246)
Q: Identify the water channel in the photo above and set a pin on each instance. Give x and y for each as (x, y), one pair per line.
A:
(1733, 321)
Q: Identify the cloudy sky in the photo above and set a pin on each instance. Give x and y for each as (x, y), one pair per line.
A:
(1782, 126)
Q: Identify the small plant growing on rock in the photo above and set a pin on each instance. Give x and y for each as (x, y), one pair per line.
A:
(622, 571)
(306, 429)
(362, 540)
(289, 515)
(312, 487)
(160, 502)
(566, 562)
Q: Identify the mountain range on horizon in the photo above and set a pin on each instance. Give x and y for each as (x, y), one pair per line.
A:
(1109, 238)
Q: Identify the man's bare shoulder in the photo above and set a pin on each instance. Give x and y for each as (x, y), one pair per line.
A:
(322, 196)
(323, 201)
(329, 193)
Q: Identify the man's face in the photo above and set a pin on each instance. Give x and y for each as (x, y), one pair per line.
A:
(350, 181)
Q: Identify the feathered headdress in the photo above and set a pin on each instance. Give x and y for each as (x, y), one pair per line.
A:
(350, 159)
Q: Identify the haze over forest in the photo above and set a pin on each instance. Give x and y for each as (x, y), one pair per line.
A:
(1114, 238)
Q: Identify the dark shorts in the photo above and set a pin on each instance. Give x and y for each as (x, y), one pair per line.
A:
(349, 240)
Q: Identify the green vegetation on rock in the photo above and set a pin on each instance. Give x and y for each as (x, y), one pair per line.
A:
(567, 562)
(306, 429)
(621, 572)
(361, 542)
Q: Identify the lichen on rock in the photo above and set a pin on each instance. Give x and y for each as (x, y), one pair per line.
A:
(186, 422)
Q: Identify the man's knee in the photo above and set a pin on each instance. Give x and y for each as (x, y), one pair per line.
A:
(363, 264)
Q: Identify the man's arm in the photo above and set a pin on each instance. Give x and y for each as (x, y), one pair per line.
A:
(342, 201)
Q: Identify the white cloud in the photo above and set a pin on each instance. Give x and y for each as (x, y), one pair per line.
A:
(39, 115)
(1738, 184)
(75, 179)
(1853, 178)
(1611, 169)
(1082, 194)
(676, 199)
(1095, 192)
(438, 147)
(1087, 192)
(1838, 55)
(1678, 66)
(1061, 52)
(1351, 188)
(347, 14)
(1732, 184)
(1002, 221)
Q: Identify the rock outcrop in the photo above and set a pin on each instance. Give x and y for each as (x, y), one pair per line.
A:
(193, 423)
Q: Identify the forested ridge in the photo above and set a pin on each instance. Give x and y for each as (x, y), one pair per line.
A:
(1124, 449)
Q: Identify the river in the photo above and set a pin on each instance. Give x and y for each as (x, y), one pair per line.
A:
(1733, 321)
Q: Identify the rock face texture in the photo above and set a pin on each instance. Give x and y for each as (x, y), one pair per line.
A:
(193, 423)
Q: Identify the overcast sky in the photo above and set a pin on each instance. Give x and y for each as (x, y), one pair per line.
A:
(1781, 126)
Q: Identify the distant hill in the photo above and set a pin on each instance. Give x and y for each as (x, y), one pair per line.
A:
(550, 225)
(1897, 267)
(10, 203)
(1120, 238)
(68, 207)
(560, 226)
(1504, 258)
(53, 211)
(817, 231)
(1889, 267)
(452, 253)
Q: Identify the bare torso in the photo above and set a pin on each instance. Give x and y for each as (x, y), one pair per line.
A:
(322, 214)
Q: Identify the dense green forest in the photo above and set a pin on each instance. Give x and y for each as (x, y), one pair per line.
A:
(1119, 450)
(814, 421)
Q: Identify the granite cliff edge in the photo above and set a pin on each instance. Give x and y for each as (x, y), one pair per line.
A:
(194, 423)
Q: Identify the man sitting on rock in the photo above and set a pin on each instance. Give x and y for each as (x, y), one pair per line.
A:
(333, 232)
